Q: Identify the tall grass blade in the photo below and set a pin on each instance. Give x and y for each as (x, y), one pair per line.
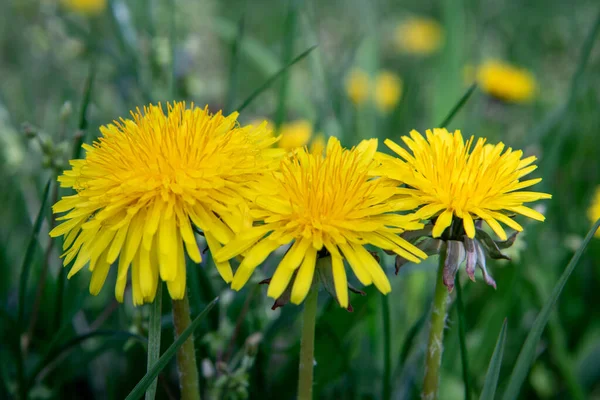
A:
(493, 372)
(29, 252)
(273, 78)
(289, 36)
(460, 310)
(234, 65)
(527, 354)
(146, 381)
(154, 331)
(461, 102)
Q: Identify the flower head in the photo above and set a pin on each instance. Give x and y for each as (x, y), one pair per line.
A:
(594, 210)
(506, 82)
(358, 86)
(388, 90)
(419, 35)
(323, 205)
(447, 177)
(142, 182)
(85, 7)
(295, 134)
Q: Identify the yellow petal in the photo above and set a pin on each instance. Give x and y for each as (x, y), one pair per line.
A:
(222, 266)
(340, 281)
(304, 278)
(443, 221)
(253, 258)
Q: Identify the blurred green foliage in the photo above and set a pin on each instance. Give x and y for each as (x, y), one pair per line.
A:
(74, 345)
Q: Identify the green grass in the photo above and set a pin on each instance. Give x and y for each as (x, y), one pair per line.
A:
(66, 76)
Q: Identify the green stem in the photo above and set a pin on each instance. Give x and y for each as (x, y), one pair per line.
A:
(307, 346)
(186, 355)
(462, 333)
(154, 330)
(387, 349)
(436, 334)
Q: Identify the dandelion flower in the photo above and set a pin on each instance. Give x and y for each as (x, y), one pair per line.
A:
(419, 35)
(594, 210)
(295, 134)
(506, 82)
(142, 185)
(358, 86)
(85, 7)
(323, 204)
(447, 177)
(388, 90)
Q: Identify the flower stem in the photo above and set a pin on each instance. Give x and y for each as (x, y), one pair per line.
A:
(436, 334)
(307, 346)
(387, 349)
(186, 355)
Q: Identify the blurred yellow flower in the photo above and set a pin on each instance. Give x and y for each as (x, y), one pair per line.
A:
(294, 134)
(388, 91)
(594, 210)
(323, 206)
(419, 35)
(142, 182)
(358, 86)
(449, 178)
(85, 7)
(506, 82)
(317, 145)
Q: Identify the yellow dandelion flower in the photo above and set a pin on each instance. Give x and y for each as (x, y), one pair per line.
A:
(594, 210)
(142, 182)
(506, 82)
(358, 86)
(419, 35)
(323, 204)
(447, 177)
(294, 134)
(388, 91)
(85, 7)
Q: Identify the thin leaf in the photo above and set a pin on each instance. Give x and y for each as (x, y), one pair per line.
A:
(527, 354)
(273, 78)
(463, 100)
(85, 103)
(491, 378)
(154, 331)
(146, 381)
(387, 348)
(460, 309)
(235, 63)
(288, 50)
(26, 266)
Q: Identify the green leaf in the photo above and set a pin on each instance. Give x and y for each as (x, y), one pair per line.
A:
(146, 381)
(85, 103)
(288, 50)
(527, 355)
(273, 78)
(154, 331)
(29, 252)
(491, 378)
(386, 393)
(461, 102)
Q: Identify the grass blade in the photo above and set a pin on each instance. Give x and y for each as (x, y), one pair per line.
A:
(387, 349)
(26, 266)
(85, 103)
(273, 78)
(146, 381)
(461, 102)
(154, 330)
(491, 378)
(460, 310)
(234, 64)
(288, 50)
(527, 354)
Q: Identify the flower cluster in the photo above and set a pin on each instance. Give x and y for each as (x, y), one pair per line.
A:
(150, 183)
(385, 89)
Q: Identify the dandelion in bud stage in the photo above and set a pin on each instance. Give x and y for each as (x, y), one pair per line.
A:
(456, 184)
(145, 182)
(325, 206)
(594, 210)
(358, 86)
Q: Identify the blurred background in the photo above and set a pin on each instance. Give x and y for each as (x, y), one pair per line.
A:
(380, 69)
